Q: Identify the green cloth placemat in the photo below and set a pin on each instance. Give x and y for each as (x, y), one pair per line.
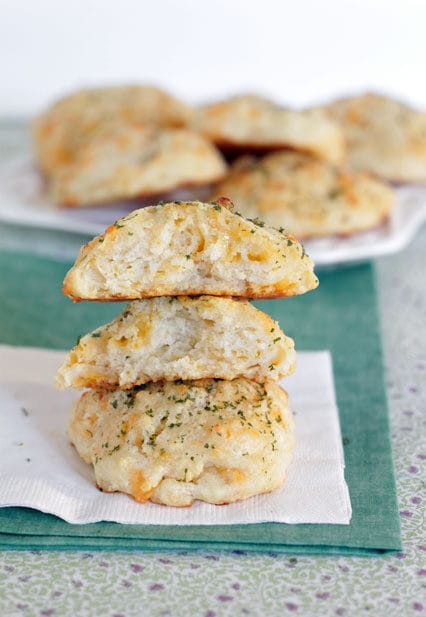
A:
(340, 316)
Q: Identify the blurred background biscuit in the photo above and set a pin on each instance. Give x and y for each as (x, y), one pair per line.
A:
(69, 123)
(250, 122)
(307, 196)
(383, 136)
(128, 161)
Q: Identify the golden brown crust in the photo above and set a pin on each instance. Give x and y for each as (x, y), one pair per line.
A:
(185, 249)
(309, 197)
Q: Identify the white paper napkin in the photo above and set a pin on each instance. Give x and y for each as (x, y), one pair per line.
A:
(40, 469)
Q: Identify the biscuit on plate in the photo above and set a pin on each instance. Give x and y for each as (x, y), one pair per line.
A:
(189, 248)
(253, 122)
(164, 339)
(175, 442)
(136, 161)
(307, 196)
(75, 119)
(383, 136)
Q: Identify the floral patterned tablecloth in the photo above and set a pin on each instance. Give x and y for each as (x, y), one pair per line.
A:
(215, 584)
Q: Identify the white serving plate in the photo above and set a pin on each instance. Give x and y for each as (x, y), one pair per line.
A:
(23, 201)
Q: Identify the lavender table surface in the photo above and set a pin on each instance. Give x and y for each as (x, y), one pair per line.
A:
(218, 584)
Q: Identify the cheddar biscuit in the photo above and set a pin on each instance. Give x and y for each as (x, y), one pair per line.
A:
(75, 119)
(189, 248)
(136, 161)
(253, 122)
(383, 136)
(307, 196)
(159, 339)
(173, 443)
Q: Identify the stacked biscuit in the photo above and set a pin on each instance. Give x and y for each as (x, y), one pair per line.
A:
(182, 400)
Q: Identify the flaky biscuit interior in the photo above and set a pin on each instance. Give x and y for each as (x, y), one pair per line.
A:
(173, 338)
(189, 248)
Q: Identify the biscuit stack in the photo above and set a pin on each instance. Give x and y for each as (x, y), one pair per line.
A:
(182, 400)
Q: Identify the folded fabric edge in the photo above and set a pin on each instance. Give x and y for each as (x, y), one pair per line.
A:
(248, 536)
(63, 543)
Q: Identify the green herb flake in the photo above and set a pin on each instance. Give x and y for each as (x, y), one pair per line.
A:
(257, 222)
(334, 193)
(130, 400)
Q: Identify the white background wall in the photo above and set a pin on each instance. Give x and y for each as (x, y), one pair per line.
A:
(299, 51)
